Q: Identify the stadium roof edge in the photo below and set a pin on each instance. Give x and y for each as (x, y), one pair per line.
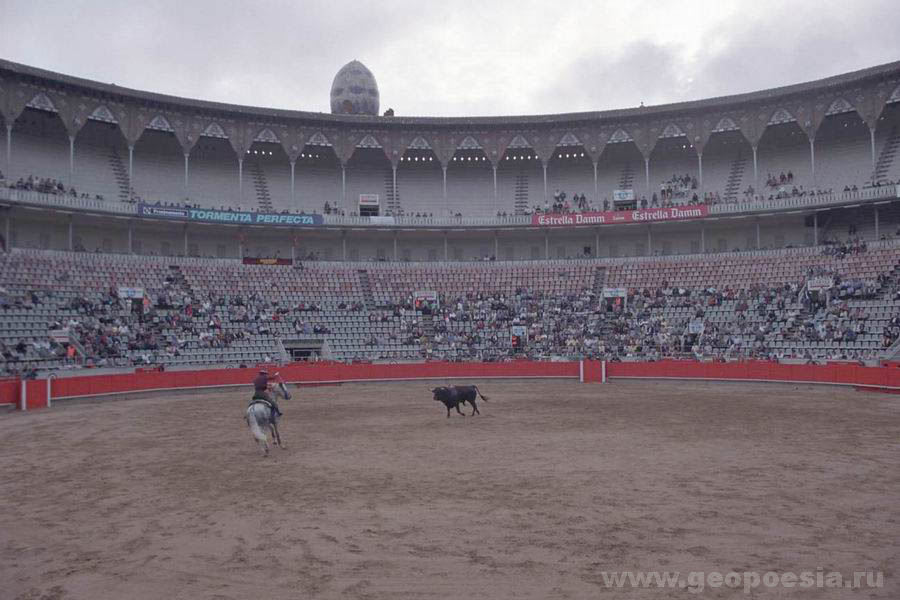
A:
(721, 102)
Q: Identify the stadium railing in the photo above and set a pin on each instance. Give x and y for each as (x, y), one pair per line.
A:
(887, 192)
(40, 393)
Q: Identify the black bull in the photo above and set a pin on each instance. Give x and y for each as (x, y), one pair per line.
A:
(455, 395)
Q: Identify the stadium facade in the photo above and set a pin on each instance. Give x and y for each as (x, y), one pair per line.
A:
(156, 174)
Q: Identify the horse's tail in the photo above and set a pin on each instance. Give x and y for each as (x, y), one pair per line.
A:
(255, 429)
(483, 397)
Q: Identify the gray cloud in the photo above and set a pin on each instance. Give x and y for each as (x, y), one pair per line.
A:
(643, 72)
(747, 52)
(452, 59)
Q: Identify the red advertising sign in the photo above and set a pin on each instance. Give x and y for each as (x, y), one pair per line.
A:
(649, 215)
(267, 261)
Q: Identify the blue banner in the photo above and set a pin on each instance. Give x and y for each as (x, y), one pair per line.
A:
(230, 217)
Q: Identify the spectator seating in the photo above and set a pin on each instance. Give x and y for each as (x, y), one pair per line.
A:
(214, 312)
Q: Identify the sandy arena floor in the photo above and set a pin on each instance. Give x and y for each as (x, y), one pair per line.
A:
(380, 496)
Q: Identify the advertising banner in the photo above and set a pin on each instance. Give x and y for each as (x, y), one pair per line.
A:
(623, 195)
(267, 261)
(228, 217)
(615, 292)
(822, 282)
(60, 336)
(619, 217)
(130, 292)
(426, 298)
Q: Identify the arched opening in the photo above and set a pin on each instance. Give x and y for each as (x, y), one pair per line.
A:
(40, 152)
(783, 150)
(470, 184)
(728, 166)
(158, 174)
(267, 175)
(369, 175)
(674, 173)
(317, 179)
(621, 167)
(887, 144)
(214, 181)
(420, 182)
(520, 179)
(101, 158)
(843, 151)
(570, 173)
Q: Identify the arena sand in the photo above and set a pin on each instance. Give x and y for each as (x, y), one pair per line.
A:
(380, 496)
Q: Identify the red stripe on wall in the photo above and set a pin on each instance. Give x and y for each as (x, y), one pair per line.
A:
(93, 385)
(70, 387)
(750, 371)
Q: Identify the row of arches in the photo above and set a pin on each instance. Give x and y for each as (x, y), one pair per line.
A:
(751, 121)
(478, 153)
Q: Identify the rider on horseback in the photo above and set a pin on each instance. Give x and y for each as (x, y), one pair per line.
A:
(261, 392)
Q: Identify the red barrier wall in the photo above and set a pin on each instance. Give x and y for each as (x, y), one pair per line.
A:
(9, 391)
(70, 387)
(838, 373)
(36, 393)
(92, 385)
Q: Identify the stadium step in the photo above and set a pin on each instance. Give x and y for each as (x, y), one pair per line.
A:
(365, 285)
(428, 326)
(886, 157)
(120, 173)
(626, 178)
(392, 194)
(599, 280)
(735, 178)
(521, 193)
(262, 188)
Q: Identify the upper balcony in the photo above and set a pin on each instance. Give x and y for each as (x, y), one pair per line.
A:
(794, 204)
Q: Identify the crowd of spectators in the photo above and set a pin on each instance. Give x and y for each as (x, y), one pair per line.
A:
(783, 179)
(763, 322)
(678, 190)
(112, 332)
(678, 187)
(44, 185)
(106, 330)
(841, 249)
(330, 209)
(769, 323)
(777, 322)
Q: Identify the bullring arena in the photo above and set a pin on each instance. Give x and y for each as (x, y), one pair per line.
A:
(685, 318)
(379, 495)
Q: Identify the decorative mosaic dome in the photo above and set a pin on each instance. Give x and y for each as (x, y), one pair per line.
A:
(354, 91)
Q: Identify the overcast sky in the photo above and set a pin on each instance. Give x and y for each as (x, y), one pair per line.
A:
(455, 57)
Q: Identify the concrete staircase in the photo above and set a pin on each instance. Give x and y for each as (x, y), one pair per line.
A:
(599, 280)
(521, 193)
(365, 285)
(735, 179)
(263, 198)
(886, 157)
(120, 172)
(626, 178)
(392, 196)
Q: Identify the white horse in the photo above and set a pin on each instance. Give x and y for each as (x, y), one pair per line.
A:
(259, 419)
